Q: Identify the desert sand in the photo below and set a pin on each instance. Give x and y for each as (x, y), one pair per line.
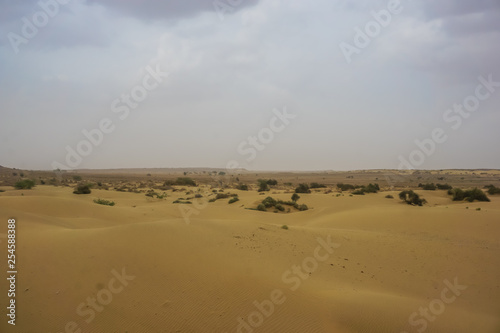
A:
(155, 266)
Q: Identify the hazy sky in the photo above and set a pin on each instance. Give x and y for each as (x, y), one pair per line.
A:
(269, 84)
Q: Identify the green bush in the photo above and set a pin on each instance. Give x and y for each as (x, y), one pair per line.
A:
(82, 189)
(358, 192)
(411, 198)
(469, 195)
(263, 186)
(184, 181)
(272, 182)
(295, 197)
(284, 226)
(492, 189)
(428, 186)
(25, 184)
(317, 185)
(233, 200)
(345, 187)
(303, 207)
(303, 188)
(261, 207)
(443, 187)
(280, 207)
(179, 201)
(269, 202)
(242, 187)
(104, 202)
(388, 196)
(222, 196)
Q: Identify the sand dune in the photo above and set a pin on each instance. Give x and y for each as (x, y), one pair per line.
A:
(207, 275)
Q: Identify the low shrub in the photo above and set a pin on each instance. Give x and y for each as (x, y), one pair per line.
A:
(280, 207)
(411, 198)
(295, 197)
(82, 189)
(443, 187)
(233, 200)
(25, 184)
(178, 201)
(345, 187)
(303, 188)
(284, 226)
(263, 185)
(492, 189)
(242, 187)
(358, 192)
(388, 196)
(269, 202)
(104, 202)
(261, 207)
(303, 207)
(428, 186)
(317, 185)
(469, 195)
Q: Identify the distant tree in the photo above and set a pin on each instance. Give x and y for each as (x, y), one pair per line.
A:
(82, 189)
(25, 184)
(295, 197)
(263, 186)
(411, 198)
(303, 188)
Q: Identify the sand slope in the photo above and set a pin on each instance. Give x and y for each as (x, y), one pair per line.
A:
(203, 276)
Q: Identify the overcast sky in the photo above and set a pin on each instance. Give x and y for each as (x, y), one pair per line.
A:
(320, 85)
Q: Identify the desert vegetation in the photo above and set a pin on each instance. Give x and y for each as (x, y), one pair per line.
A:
(104, 202)
(411, 198)
(82, 189)
(25, 184)
(458, 194)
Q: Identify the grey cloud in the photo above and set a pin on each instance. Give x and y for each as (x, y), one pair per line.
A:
(172, 9)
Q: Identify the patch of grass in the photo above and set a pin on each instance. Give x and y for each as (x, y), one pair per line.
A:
(178, 201)
(233, 200)
(104, 202)
(25, 184)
